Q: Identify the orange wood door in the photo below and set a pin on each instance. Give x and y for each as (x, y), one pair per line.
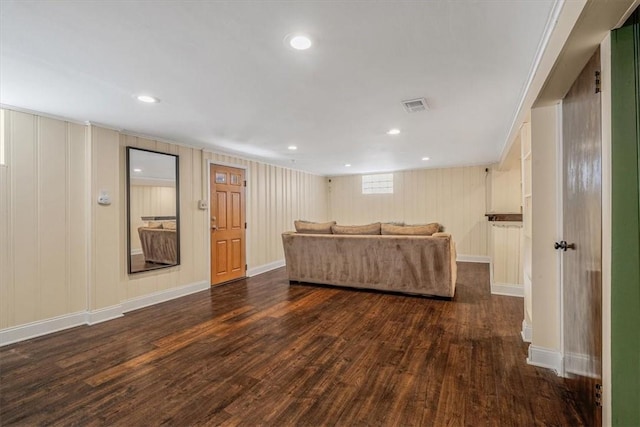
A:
(227, 223)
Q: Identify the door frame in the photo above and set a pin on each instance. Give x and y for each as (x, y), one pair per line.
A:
(606, 107)
(210, 162)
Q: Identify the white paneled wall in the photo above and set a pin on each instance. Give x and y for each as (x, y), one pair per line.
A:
(275, 198)
(43, 214)
(454, 197)
(505, 191)
(63, 257)
(193, 266)
(506, 241)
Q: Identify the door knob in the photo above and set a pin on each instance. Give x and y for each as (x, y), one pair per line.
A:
(564, 245)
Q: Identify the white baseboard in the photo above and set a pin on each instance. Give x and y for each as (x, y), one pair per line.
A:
(42, 327)
(581, 364)
(474, 258)
(545, 358)
(508, 289)
(265, 267)
(59, 323)
(103, 314)
(162, 296)
(527, 332)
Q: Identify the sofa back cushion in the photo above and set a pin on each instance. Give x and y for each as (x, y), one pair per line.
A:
(413, 230)
(356, 229)
(313, 227)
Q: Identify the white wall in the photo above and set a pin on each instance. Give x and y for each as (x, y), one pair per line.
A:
(454, 197)
(43, 219)
(545, 287)
(63, 257)
(505, 190)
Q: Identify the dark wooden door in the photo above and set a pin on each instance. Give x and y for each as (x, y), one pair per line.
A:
(227, 223)
(582, 230)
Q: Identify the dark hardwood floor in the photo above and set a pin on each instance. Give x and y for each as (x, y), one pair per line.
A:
(261, 352)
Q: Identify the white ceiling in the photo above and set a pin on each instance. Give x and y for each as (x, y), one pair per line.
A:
(228, 82)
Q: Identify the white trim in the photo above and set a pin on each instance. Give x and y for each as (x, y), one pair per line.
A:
(527, 331)
(42, 327)
(508, 289)
(626, 16)
(560, 225)
(545, 358)
(103, 314)
(474, 258)
(59, 323)
(163, 296)
(136, 251)
(265, 267)
(41, 114)
(581, 364)
(550, 26)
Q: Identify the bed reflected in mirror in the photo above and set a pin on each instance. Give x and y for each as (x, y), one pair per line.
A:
(153, 220)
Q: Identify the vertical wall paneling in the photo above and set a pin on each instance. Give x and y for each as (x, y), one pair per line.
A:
(275, 197)
(43, 219)
(106, 250)
(454, 197)
(62, 254)
(193, 225)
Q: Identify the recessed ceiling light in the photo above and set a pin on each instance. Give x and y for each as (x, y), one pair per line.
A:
(137, 170)
(393, 132)
(425, 158)
(300, 42)
(292, 147)
(347, 165)
(148, 99)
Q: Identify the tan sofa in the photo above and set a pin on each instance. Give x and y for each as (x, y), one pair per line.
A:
(424, 265)
(159, 245)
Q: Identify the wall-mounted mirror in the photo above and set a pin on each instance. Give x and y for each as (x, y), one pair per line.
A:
(153, 220)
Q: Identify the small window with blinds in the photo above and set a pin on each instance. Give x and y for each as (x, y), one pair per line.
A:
(377, 184)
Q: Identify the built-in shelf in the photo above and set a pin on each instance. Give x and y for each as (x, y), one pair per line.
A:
(499, 216)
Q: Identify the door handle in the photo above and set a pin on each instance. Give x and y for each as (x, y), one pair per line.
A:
(564, 245)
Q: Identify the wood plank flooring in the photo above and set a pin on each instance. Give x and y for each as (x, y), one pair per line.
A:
(262, 352)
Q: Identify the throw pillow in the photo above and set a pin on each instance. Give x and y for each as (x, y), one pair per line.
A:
(356, 229)
(415, 230)
(169, 225)
(313, 227)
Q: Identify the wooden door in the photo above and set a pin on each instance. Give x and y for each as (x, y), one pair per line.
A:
(227, 223)
(582, 235)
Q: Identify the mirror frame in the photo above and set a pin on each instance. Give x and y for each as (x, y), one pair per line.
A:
(128, 207)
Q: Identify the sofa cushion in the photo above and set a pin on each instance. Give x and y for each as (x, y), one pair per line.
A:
(357, 229)
(169, 225)
(415, 230)
(313, 227)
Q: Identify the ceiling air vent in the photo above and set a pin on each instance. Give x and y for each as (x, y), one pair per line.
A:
(415, 105)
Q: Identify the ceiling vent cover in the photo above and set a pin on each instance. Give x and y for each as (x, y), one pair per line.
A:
(415, 105)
